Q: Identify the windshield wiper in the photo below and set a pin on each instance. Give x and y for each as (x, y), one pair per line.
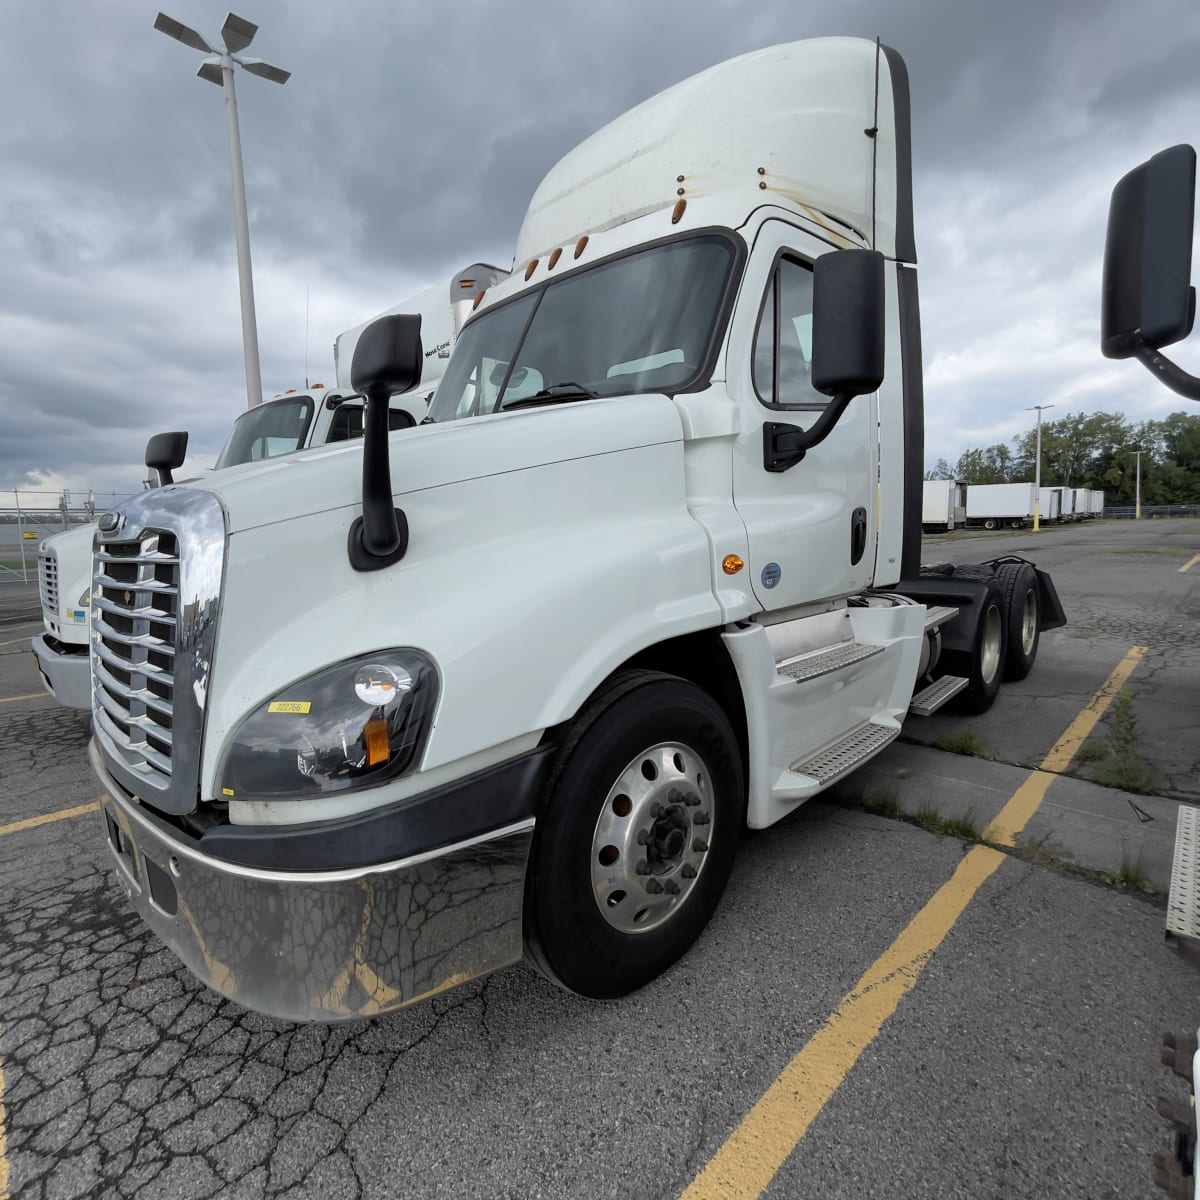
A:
(552, 395)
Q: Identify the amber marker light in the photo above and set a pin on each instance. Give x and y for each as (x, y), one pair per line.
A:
(375, 735)
(731, 564)
(529, 270)
(555, 255)
(581, 245)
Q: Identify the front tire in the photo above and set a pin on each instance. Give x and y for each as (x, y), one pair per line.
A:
(638, 835)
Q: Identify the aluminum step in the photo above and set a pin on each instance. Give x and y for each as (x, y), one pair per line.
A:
(823, 662)
(855, 748)
(930, 699)
(939, 615)
(1183, 903)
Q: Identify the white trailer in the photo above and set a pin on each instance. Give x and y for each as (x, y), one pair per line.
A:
(1096, 503)
(1049, 504)
(1000, 505)
(1066, 503)
(943, 505)
(650, 574)
(1082, 503)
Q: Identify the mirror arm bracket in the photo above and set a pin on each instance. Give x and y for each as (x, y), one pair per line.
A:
(786, 445)
(1169, 373)
(379, 537)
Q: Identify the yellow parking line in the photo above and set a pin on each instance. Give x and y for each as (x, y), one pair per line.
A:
(1014, 816)
(1191, 562)
(27, 696)
(748, 1160)
(48, 818)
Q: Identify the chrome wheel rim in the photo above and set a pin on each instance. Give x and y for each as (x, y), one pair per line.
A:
(1029, 623)
(652, 838)
(989, 655)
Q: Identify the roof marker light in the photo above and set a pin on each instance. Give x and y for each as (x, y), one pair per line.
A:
(529, 270)
(555, 255)
(680, 205)
(581, 245)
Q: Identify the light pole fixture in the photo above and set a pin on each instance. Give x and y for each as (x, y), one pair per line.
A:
(237, 33)
(1037, 469)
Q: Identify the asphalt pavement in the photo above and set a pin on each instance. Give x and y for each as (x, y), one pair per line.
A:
(1021, 1060)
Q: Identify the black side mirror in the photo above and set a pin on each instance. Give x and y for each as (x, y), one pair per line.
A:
(387, 360)
(1147, 300)
(847, 348)
(847, 353)
(165, 452)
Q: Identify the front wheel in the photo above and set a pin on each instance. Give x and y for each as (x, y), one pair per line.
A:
(638, 835)
(1022, 615)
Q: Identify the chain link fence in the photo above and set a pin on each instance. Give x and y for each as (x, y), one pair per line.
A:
(26, 517)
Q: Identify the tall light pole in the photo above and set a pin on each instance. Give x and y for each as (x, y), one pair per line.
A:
(237, 33)
(1037, 469)
(1137, 495)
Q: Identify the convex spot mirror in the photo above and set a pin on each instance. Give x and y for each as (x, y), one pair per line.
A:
(165, 452)
(1147, 298)
(847, 330)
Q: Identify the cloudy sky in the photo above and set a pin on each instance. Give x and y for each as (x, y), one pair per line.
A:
(411, 135)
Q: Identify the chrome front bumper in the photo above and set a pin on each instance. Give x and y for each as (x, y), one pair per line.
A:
(67, 677)
(324, 945)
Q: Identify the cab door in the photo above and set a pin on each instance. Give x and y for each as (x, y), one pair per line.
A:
(812, 528)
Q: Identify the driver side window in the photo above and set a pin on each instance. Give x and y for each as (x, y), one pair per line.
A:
(783, 343)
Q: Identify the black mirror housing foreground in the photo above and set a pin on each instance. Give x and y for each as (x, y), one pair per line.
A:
(165, 452)
(387, 360)
(1147, 301)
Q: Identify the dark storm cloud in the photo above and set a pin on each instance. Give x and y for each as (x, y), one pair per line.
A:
(411, 136)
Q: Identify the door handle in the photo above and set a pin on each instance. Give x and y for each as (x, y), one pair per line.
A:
(858, 535)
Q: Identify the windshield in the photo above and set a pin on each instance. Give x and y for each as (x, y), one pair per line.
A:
(640, 323)
(277, 427)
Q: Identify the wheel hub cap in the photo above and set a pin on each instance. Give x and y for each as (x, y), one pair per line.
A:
(651, 838)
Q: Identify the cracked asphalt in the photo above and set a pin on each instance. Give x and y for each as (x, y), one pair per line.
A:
(1023, 1063)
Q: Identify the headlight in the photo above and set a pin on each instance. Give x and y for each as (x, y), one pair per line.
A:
(347, 727)
(85, 598)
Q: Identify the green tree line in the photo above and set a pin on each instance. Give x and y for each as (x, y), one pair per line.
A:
(1096, 450)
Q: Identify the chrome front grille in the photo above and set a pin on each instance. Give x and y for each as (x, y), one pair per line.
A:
(155, 591)
(48, 580)
(135, 603)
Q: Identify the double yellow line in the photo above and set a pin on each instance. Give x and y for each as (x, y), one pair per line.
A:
(751, 1156)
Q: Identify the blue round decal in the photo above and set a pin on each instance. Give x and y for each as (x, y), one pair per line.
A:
(770, 575)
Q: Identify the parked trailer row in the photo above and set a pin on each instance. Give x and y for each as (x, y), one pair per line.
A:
(951, 504)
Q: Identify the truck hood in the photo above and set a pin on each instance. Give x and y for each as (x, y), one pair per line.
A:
(432, 456)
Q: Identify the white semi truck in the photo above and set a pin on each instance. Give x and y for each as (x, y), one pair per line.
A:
(651, 573)
(1148, 303)
(294, 420)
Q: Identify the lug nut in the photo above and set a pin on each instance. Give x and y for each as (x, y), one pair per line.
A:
(691, 799)
(671, 888)
(643, 837)
(643, 867)
(653, 886)
(688, 871)
(699, 845)
(674, 796)
(656, 809)
(701, 818)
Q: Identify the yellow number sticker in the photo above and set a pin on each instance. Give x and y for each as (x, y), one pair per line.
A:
(289, 706)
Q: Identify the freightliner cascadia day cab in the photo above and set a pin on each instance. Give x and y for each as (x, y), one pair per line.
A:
(1147, 303)
(651, 573)
(294, 420)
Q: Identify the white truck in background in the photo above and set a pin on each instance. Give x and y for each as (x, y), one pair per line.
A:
(943, 505)
(651, 573)
(1049, 505)
(297, 419)
(1147, 303)
(1000, 505)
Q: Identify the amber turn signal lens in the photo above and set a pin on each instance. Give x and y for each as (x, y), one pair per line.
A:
(731, 564)
(375, 735)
